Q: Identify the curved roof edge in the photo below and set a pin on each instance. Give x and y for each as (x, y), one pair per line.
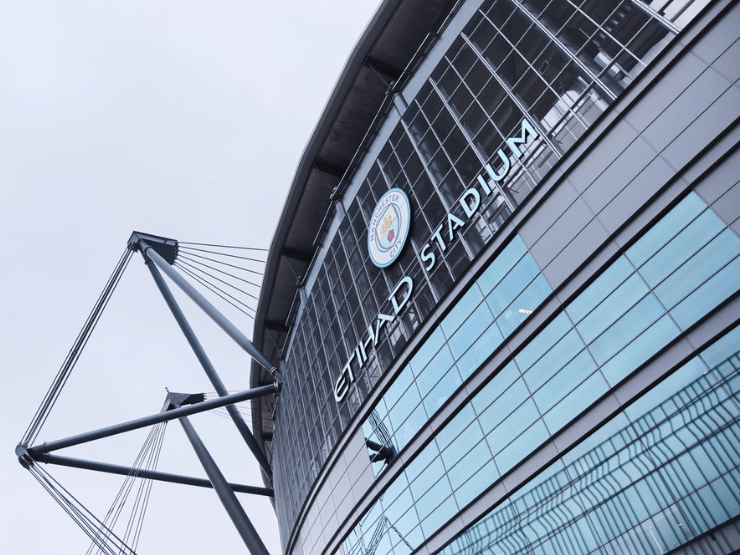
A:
(390, 47)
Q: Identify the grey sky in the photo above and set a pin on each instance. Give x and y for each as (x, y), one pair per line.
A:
(183, 118)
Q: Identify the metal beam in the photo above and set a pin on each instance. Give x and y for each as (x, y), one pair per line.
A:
(205, 362)
(234, 509)
(386, 69)
(153, 419)
(141, 473)
(212, 312)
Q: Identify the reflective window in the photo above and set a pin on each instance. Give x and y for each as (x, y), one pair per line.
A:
(661, 472)
(508, 291)
(610, 329)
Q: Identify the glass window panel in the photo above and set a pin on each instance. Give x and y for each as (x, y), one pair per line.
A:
(467, 439)
(599, 289)
(462, 420)
(426, 504)
(480, 351)
(468, 465)
(521, 447)
(558, 356)
(496, 385)
(463, 308)
(512, 426)
(478, 482)
(564, 381)
(428, 477)
(716, 355)
(640, 350)
(427, 351)
(660, 233)
(524, 305)
(626, 328)
(611, 308)
(469, 332)
(575, 402)
(510, 286)
(709, 295)
(436, 368)
(441, 514)
(408, 401)
(482, 34)
(681, 247)
(698, 268)
(442, 391)
(497, 412)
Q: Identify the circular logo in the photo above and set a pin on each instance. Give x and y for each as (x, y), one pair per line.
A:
(389, 227)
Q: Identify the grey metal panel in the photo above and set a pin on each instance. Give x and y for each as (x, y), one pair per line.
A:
(686, 108)
(557, 203)
(712, 45)
(681, 75)
(637, 193)
(575, 253)
(705, 128)
(720, 179)
(623, 170)
(565, 228)
(599, 158)
(728, 64)
(728, 205)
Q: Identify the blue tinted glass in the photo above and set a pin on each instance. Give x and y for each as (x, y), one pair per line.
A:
(462, 310)
(427, 351)
(401, 411)
(432, 498)
(557, 357)
(718, 354)
(473, 327)
(396, 390)
(615, 274)
(564, 381)
(701, 266)
(512, 426)
(467, 439)
(434, 371)
(616, 304)
(501, 265)
(576, 401)
(723, 284)
(521, 447)
(442, 391)
(462, 420)
(626, 328)
(409, 428)
(640, 350)
(665, 229)
(478, 482)
(544, 340)
(441, 514)
(480, 351)
(681, 247)
(495, 387)
(503, 406)
(524, 305)
(513, 284)
(469, 465)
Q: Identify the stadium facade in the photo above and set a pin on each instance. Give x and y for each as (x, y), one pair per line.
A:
(503, 292)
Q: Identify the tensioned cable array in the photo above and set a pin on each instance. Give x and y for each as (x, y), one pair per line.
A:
(147, 459)
(62, 376)
(234, 278)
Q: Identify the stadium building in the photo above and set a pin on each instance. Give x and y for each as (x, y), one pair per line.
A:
(503, 292)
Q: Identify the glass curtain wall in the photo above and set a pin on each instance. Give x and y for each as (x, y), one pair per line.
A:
(559, 64)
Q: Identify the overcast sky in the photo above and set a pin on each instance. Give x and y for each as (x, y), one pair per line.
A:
(181, 118)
